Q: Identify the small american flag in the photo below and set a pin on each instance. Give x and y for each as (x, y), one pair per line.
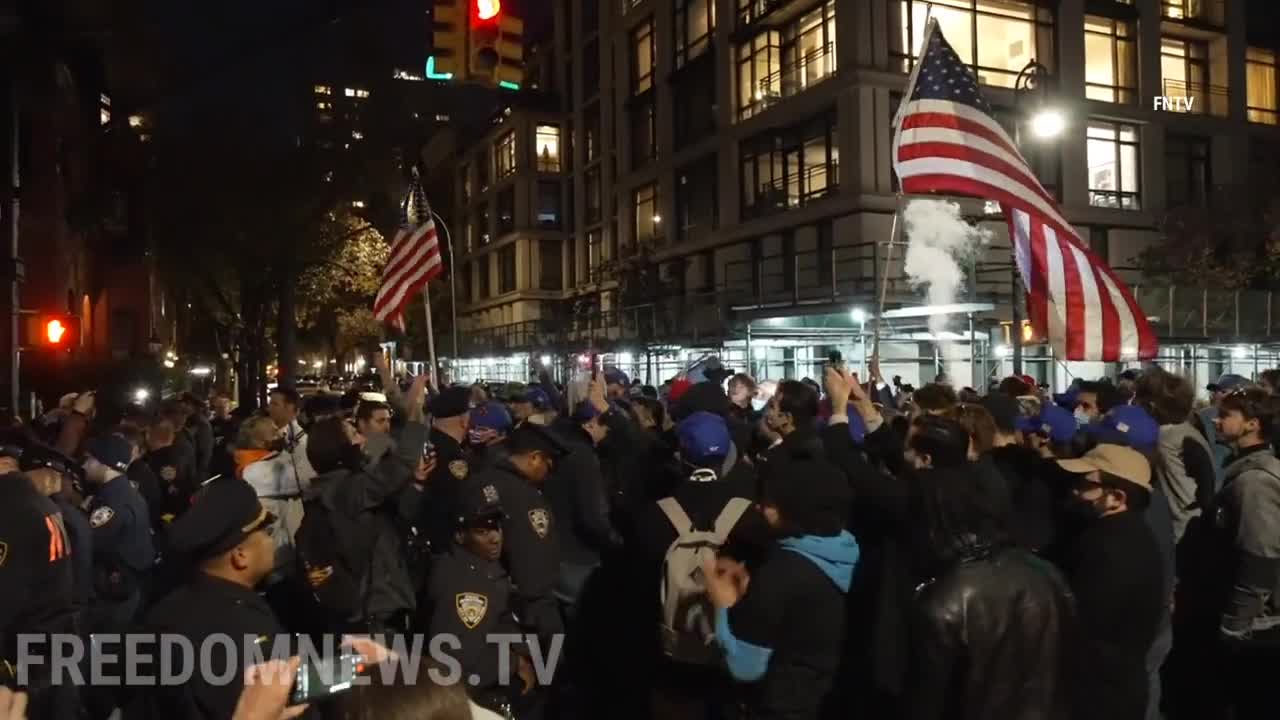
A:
(414, 260)
(947, 141)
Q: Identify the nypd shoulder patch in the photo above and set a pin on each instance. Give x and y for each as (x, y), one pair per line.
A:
(459, 469)
(471, 608)
(101, 516)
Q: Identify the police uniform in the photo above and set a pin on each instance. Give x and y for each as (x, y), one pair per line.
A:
(73, 520)
(530, 547)
(469, 597)
(452, 468)
(225, 514)
(122, 551)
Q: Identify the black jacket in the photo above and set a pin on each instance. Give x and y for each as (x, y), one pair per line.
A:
(1115, 570)
(35, 565)
(576, 491)
(988, 641)
(1035, 503)
(452, 468)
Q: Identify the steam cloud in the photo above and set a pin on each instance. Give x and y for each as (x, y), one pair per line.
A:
(938, 241)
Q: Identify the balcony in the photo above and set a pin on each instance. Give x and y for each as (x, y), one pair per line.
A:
(794, 191)
(813, 67)
(1203, 12)
(755, 15)
(1211, 99)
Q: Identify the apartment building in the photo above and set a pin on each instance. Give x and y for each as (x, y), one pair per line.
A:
(741, 148)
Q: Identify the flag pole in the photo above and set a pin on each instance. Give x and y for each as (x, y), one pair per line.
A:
(431, 338)
(884, 278)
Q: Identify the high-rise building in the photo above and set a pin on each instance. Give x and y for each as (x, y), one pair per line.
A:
(722, 179)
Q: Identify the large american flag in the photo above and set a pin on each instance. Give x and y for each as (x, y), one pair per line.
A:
(414, 260)
(946, 141)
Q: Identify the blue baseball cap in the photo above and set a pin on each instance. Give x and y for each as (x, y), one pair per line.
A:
(1227, 382)
(703, 436)
(1127, 425)
(1057, 423)
(614, 376)
(584, 412)
(491, 415)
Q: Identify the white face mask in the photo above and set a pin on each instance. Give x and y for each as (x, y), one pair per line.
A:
(758, 404)
(1082, 418)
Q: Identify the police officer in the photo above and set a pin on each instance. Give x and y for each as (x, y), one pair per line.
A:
(56, 474)
(36, 580)
(121, 527)
(226, 536)
(531, 549)
(469, 597)
(450, 420)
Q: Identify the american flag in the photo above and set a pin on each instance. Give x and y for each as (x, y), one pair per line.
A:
(947, 141)
(414, 260)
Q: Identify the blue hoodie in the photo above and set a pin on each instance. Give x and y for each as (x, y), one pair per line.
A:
(836, 556)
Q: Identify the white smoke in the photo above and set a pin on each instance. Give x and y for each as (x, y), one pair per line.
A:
(939, 240)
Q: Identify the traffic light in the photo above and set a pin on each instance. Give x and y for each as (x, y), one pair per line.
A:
(496, 47)
(53, 331)
(449, 37)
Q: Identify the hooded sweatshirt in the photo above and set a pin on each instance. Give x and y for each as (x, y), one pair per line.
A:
(787, 631)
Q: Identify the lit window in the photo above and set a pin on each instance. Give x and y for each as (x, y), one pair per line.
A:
(1111, 60)
(1260, 76)
(547, 143)
(357, 203)
(324, 90)
(505, 155)
(595, 254)
(322, 105)
(790, 167)
(648, 217)
(995, 37)
(1113, 156)
(642, 57)
(695, 22)
(136, 121)
(362, 93)
(1185, 73)
(104, 109)
(442, 118)
(402, 74)
(349, 92)
(357, 135)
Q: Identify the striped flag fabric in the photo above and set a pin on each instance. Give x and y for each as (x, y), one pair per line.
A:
(414, 259)
(947, 141)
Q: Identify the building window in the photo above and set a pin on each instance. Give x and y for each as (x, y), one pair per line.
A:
(644, 130)
(776, 65)
(591, 69)
(504, 155)
(1184, 72)
(571, 262)
(465, 185)
(695, 21)
(997, 38)
(551, 276)
(1111, 60)
(1186, 171)
(323, 90)
(322, 105)
(595, 250)
(507, 269)
(697, 204)
(591, 189)
(355, 92)
(788, 168)
(1209, 11)
(1260, 79)
(1114, 173)
(506, 211)
(1100, 243)
(549, 204)
(482, 172)
(591, 131)
(482, 224)
(759, 60)
(642, 57)
(485, 284)
(695, 118)
(547, 144)
(648, 217)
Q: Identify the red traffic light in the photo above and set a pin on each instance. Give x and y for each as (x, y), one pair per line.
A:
(488, 9)
(54, 331)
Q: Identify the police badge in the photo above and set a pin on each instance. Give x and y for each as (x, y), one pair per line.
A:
(540, 519)
(471, 608)
(490, 494)
(458, 468)
(101, 516)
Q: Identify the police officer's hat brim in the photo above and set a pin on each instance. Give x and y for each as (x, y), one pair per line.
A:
(224, 514)
(485, 518)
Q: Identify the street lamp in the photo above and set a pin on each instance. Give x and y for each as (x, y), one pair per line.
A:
(1047, 122)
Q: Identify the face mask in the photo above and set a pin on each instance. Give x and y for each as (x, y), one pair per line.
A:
(1090, 509)
(757, 404)
(1082, 418)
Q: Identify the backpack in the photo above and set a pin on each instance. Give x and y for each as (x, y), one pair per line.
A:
(335, 574)
(688, 620)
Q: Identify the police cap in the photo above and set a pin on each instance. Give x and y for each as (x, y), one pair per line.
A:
(225, 513)
(36, 457)
(451, 402)
(533, 438)
(479, 505)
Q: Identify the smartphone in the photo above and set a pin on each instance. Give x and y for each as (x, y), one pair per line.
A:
(595, 365)
(326, 677)
(835, 358)
(428, 449)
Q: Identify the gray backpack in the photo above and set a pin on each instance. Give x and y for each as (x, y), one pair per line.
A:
(688, 620)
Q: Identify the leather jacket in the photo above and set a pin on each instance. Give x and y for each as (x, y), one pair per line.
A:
(989, 638)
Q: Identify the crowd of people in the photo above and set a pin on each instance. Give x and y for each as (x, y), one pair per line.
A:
(710, 548)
